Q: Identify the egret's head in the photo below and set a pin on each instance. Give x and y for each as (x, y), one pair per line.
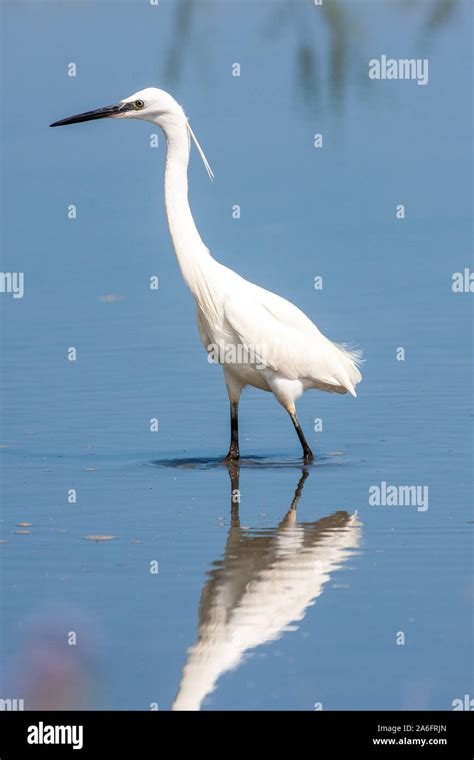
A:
(150, 104)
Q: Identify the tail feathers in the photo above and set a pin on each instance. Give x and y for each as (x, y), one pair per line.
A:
(349, 374)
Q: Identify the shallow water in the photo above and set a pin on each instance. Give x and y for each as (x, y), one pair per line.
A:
(155, 587)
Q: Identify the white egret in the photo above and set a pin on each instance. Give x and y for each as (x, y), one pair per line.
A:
(260, 339)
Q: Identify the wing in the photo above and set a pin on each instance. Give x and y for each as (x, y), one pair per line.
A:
(287, 341)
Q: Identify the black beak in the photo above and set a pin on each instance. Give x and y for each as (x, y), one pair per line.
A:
(100, 113)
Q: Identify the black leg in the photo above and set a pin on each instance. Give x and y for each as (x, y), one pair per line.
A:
(308, 454)
(233, 453)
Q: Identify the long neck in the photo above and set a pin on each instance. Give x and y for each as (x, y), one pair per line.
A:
(193, 257)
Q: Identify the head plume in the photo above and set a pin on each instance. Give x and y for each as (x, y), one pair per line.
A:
(200, 151)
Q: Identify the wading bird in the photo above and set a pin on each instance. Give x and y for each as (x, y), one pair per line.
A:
(260, 339)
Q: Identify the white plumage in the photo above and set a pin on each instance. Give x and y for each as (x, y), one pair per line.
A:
(266, 341)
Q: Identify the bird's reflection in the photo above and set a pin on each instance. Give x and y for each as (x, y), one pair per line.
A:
(265, 582)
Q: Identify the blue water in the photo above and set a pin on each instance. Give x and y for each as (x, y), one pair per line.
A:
(164, 496)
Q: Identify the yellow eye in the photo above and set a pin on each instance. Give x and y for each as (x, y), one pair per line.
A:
(139, 104)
